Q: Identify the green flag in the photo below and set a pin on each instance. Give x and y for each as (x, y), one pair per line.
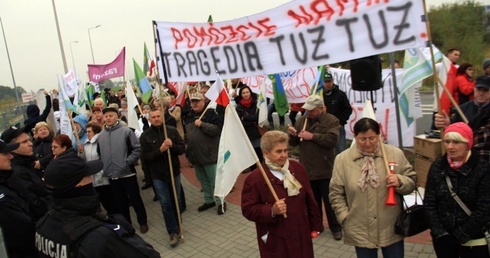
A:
(90, 90)
(142, 82)
(280, 100)
(146, 59)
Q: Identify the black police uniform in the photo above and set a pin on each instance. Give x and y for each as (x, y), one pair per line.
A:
(15, 221)
(71, 230)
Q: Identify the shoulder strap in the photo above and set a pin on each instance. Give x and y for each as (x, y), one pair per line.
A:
(456, 197)
(78, 228)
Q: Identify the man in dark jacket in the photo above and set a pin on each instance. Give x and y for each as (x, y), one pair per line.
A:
(33, 116)
(203, 135)
(72, 228)
(338, 105)
(317, 153)
(25, 178)
(155, 146)
(16, 224)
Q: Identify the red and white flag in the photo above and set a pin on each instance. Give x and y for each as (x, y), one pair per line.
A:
(218, 93)
(447, 74)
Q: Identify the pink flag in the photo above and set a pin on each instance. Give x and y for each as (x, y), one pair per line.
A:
(114, 69)
(218, 93)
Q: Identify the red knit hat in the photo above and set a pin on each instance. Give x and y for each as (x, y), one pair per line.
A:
(463, 129)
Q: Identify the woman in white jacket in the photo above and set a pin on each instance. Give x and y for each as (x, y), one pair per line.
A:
(100, 182)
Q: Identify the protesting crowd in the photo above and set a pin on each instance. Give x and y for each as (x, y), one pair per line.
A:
(70, 195)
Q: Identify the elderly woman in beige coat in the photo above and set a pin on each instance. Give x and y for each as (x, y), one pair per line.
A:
(359, 188)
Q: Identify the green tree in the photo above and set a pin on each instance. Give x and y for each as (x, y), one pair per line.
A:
(461, 25)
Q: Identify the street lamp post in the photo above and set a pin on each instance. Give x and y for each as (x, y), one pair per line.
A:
(90, 40)
(72, 57)
(10, 64)
(59, 38)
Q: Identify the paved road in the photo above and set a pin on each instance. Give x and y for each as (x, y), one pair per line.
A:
(208, 235)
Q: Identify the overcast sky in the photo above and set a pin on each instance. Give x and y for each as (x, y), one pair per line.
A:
(32, 39)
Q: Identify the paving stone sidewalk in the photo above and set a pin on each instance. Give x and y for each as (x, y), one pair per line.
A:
(208, 235)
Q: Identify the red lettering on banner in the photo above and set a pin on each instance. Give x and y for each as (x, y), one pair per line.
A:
(188, 35)
(197, 35)
(354, 117)
(385, 131)
(383, 126)
(259, 31)
(306, 19)
(321, 8)
(245, 37)
(324, 9)
(233, 34)
(201, 32)
(217, 40)
(370, 2)
(270, 30)
(177, 36)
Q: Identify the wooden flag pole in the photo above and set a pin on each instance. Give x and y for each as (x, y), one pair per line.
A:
(262, 171)
(306, 120)
(206, 109)
(456, 105)
(172, 177)
(383, 152)
(437, 79)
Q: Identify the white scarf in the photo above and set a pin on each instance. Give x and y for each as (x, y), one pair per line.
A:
(290, 182)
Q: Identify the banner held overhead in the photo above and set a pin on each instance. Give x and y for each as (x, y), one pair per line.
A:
(298, 34)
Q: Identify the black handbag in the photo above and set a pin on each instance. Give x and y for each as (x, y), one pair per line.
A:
(412, 220)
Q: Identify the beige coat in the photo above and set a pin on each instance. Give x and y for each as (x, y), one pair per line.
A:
(367, 221)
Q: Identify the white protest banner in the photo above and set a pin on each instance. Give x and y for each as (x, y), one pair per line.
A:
(72, 82)
(297, 85)
(384, 105)
(298, 34)
(27, 97)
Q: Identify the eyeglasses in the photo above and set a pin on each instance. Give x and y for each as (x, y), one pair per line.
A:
(371, 139)
(55, 147)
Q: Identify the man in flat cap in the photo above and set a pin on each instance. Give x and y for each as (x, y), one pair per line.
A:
(16, 223)
(203, 135)
(317, 142)
(119, 149)
(72, 228)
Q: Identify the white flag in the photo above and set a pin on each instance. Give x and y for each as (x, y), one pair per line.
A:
(132, 103)
(72, 82)
(367, 111)
(235, 153)
(65, 104)
(81, 101)
(262, 102)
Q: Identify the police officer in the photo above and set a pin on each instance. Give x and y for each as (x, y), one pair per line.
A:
(16, 224)
(71, 228)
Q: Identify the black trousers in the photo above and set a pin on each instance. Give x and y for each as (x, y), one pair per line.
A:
(123, 188)
(106, 198)
(448, 247)
(320, 190)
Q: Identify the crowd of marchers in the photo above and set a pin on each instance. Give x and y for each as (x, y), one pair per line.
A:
(69, 194)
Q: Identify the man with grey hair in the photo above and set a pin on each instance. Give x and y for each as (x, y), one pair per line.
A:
(119, 149)
(317, 134)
